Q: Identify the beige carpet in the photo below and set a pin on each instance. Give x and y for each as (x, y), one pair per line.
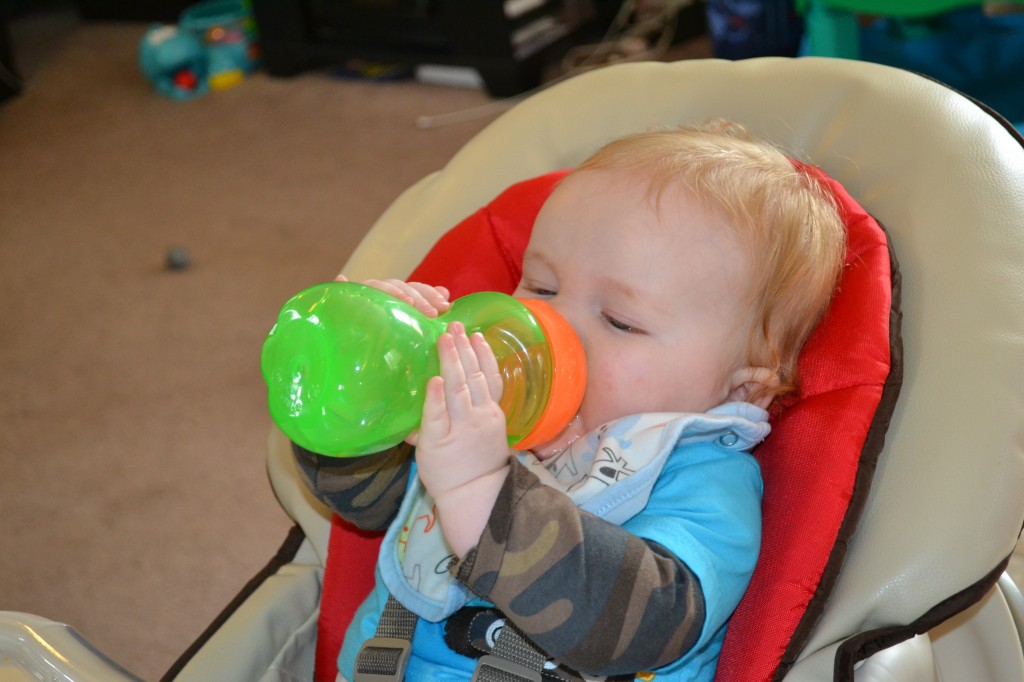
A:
(133, 499)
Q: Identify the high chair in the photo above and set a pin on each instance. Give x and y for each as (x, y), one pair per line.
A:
(894, 566)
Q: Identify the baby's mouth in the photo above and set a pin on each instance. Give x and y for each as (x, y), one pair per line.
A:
(569, 435)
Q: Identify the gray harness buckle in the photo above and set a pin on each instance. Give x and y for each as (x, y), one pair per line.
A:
(383, 659)
(491, 667)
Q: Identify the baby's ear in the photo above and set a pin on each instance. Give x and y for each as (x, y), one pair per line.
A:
(745, 383)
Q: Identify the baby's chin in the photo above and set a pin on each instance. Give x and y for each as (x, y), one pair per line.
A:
(567, 437)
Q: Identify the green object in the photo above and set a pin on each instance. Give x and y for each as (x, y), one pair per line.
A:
(831, 26)
(831, 32)
(346, 365)
(892, 8)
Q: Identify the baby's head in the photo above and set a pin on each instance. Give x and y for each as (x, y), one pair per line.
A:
(693, 262)
(786, 221)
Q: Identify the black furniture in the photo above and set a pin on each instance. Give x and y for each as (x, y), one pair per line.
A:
(507, 41)
(165, 11)
(10, 80)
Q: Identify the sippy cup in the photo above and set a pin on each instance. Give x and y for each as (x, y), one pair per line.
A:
(347, 365)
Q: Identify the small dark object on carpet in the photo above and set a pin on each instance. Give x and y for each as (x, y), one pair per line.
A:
(178, 258)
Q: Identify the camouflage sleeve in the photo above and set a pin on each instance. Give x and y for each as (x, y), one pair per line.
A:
(365, 491)
(531, 562)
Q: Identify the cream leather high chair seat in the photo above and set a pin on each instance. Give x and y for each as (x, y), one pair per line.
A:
(946, 501)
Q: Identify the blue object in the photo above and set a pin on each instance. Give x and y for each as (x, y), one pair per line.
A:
(741, 29)
(174, 62)
(980, 55)
(213, 47)
(228, 37)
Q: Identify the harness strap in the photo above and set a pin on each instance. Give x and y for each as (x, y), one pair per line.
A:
(383, 657)
(514, 659)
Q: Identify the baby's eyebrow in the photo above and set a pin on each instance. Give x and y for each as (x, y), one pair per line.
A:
(535, 257)
(621, 288)
(632, 296)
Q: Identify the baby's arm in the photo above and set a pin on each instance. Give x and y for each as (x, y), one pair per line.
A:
(366, 491)
(590, 594)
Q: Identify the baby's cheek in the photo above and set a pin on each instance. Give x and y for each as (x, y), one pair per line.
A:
(610, 395)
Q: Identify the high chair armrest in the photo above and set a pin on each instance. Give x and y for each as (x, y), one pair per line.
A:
(272, 635)
(1014, 602)
(910, 661)
(31, 645)
(980, 644)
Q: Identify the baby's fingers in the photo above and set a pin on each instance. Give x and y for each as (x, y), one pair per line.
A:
(475, 379)
(395, 287)
(425, 298)
(488, 365)
(434, 298)
(458, 399)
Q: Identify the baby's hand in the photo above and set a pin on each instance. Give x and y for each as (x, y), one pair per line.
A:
(429, 300)
(462, 434)
(462, 451)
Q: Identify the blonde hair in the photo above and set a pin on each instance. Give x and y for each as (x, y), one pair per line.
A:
(790, 222)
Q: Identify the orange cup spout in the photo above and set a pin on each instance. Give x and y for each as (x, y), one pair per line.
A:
(569, 375)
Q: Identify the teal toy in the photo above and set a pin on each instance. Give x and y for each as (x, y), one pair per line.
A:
(228, 35)
(174, 62)
(346, 366)
(213, 47)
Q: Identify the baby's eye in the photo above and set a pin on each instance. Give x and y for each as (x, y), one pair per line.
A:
(540, 291)
(620, 325)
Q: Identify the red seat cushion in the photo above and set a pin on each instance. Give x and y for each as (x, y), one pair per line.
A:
(817, 463)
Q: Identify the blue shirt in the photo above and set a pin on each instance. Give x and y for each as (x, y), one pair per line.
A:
(705, 508)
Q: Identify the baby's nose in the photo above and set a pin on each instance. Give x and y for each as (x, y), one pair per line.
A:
(570, 315)
(576, 320)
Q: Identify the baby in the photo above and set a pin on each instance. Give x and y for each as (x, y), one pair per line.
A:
(693, 264)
